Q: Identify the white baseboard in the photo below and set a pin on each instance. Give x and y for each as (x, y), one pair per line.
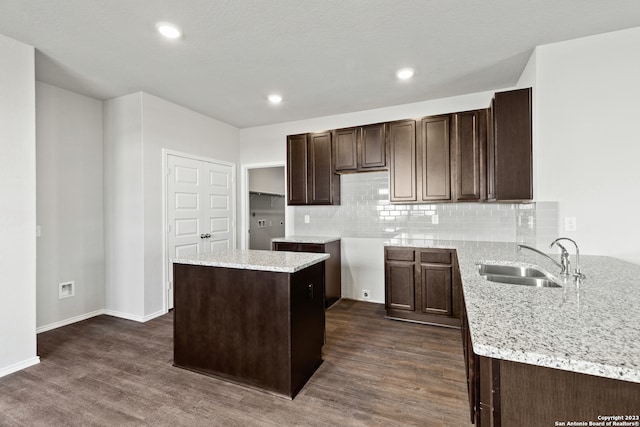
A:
(69, 321)
(134, 317)
(19, 366)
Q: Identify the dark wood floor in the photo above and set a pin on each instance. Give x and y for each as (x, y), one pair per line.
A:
(107, 371)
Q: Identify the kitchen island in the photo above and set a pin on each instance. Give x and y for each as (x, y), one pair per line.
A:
(540, 355)
(250, 317)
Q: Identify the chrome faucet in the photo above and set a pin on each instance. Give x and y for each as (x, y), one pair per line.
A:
(563, 266)
(577, 273)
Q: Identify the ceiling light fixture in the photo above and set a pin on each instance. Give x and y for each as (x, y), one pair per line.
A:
(275, 98)
(405, 73)
(169, 30)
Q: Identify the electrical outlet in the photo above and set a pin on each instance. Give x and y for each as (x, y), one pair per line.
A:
(570, 223)
(307, 220)
(366, 294)
(434, 219)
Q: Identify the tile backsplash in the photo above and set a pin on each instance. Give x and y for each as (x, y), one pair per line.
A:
(365, 211)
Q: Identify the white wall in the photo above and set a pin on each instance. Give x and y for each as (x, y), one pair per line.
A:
(588, 93)
(169, 126)
(17, 207)
(69, 202)
(124, 207)
(362, 258)
(267, 180)
(137, 128)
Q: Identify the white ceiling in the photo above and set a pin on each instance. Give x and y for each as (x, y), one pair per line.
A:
(324, 56)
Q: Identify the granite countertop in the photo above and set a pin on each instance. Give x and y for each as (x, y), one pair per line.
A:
(247, 259)
(591, 328)
(306, 239)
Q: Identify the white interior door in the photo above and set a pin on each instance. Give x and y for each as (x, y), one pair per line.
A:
(200, 209)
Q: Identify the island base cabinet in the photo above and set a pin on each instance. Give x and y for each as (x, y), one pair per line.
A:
(257, 328)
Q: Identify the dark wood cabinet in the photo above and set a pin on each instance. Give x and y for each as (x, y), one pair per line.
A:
(311, 179)
(469, 155)
(421, 285)
(346, 150)
(297, 166)
(360, 149)
(434, 152)
(509, 156)
(402, 161)
(373, 147)
(333, 266)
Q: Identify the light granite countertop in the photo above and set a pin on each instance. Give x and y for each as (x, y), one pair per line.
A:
(321, 240)
(593, 328)
(248, 259)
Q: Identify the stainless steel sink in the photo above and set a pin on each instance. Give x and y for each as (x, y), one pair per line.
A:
(517, 275)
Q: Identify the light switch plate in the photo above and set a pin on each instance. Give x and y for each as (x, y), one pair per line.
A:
(307, 220)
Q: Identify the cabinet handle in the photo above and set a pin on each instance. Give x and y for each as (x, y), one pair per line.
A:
(310, 290)
(203, 236)
(207, 235)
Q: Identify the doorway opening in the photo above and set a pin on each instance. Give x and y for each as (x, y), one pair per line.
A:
(264, 213)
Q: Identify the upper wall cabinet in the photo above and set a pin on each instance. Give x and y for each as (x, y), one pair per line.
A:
(402, 161)
(434, 166)
(360, 149)
(420, 160)
(297, 164)
(310, 176)
(469, 130)
(509, 147)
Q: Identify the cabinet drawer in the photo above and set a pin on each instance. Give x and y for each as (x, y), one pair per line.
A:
(400, 255)
(435, 257)
(285, 246)
(311, 247)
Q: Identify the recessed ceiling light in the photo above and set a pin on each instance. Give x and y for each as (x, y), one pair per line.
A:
(275, 98)
(405, 73)
(169, 30)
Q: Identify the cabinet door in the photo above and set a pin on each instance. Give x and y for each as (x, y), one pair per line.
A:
(436, 286)
(512, 150)
(321, 177)
(435, 159)
(400, 280)
(373, 152)
(402, 167)
(469, 149)
(297, 169)
(345, 149)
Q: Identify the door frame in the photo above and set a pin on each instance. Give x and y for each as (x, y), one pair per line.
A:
(244, 199)
(165, 206)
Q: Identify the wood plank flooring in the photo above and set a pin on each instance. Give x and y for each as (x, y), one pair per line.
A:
(107, 371)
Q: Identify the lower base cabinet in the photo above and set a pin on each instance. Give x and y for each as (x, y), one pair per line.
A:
(422, 285)
(504, 393)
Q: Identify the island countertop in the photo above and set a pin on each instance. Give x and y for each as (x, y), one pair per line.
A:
(593, 328)
(249, 259)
